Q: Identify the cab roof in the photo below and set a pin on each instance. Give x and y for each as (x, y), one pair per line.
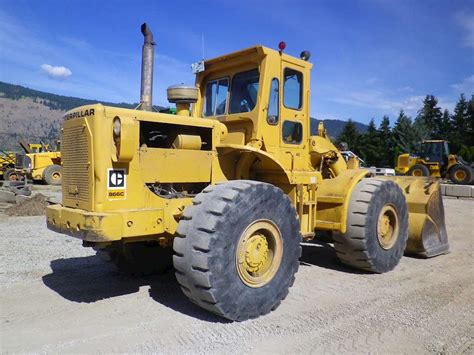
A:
(252, 54)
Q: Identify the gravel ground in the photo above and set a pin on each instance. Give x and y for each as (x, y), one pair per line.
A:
(57, 296)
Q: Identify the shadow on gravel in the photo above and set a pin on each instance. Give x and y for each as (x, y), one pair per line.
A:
(166, 290)
(322, 254)
(91, 279)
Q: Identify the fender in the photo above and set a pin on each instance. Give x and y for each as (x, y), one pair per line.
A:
(333, 197)
(247, 156)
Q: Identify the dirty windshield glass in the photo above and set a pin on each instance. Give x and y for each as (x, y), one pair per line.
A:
(244, 91)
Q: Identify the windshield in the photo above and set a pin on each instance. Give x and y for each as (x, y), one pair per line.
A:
(215, 101)
(243, 94)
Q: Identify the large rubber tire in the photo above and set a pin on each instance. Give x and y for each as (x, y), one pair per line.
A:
(209, 236)
(361, 247)
(52, 175)
(138, 258)
(418, 170)
(460, 174)
(11, 175)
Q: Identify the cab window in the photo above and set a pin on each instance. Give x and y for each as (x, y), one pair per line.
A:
(244, 91)
(292, 132)
(273, 103)
(215, 101)
(292, 89)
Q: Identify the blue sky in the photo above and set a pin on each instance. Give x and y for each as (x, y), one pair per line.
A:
(371, 57)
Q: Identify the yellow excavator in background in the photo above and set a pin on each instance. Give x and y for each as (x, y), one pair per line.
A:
(435, 160)
(226, 189)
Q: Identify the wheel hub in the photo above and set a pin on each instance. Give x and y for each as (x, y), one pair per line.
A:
(387, 227)
(417, 172)
(460, 175)
(258, 253)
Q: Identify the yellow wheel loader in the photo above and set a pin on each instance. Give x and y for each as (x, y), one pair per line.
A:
(7, 164)
(230, 187)
(39, 163)
(434, 160)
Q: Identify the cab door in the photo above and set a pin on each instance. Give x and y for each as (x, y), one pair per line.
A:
(293, 122)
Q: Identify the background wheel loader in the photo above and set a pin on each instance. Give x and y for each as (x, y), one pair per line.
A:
(232, 186)
(7, 164)
(38, 163)
(434, 160)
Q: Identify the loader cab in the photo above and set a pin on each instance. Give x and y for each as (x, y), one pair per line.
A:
(262, 96)
(435, 151)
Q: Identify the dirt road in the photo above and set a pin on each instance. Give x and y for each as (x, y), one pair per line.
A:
(58, 297)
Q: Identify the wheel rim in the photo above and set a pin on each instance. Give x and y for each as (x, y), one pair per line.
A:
(56, 175)
(460, 175)
(387, 227)
(417, 172)
(13, 177)
(259, 253)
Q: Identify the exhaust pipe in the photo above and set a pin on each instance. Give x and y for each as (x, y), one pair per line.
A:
(146, 89)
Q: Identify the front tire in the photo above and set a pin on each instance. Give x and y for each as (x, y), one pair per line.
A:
(460, 174)
(238, 248)
(377, 227)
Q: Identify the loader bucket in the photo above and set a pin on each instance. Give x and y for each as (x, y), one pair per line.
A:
(427, 236)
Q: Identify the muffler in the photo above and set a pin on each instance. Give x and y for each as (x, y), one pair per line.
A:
(148, 51)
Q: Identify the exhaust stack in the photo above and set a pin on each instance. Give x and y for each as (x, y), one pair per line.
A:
(146, 90)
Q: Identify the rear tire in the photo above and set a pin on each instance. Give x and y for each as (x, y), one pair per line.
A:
(138, 258)
(52, 175)
(377, 227)
(460, 174)
(237, 249)
(418, 170)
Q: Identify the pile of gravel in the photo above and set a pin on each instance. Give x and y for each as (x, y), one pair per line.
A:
(34, 206)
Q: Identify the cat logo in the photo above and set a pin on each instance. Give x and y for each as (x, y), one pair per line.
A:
(116, 184)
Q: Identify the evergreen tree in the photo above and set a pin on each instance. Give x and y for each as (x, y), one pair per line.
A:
(459, 124)
(403, 135)
(351, 136)
(430, 116)
(370, 145)
(387, 156)
(470, 124)
(445, 127)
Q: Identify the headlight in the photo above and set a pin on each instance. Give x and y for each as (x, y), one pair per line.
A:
(117, 127)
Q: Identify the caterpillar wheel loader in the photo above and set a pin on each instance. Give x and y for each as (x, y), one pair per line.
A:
(38, 162)
(434, 160)
(227, 190)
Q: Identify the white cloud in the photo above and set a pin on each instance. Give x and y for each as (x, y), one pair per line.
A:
(380, 100)
(466, 86)
(56, 72)
(466, 20)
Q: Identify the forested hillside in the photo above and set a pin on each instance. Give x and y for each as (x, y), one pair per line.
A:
(35, 115)
(53, 101)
